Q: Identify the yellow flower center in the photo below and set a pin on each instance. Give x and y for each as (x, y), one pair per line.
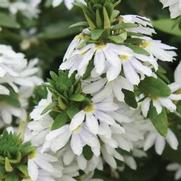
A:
(89, 108)
(144, 44)
(32, 155)
(124, 58)
(100, 46)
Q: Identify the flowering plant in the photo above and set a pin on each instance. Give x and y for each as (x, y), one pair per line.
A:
(111, 96)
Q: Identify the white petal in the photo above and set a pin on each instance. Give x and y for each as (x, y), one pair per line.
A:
(92, 123)
(77, 120)
(172, 140)
(160, 145)
(32, 170)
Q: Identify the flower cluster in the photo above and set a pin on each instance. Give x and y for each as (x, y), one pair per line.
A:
(17, 81)
(109, 99)
(109, 103)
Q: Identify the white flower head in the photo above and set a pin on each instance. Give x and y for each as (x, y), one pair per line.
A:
(160, 102)
(153, 138)
(158, 49)
(110, 59)
(144, 24)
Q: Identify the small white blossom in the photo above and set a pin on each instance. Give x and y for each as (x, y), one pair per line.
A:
(144, 24)
(158, 49)
(153, 138)
(160, 102)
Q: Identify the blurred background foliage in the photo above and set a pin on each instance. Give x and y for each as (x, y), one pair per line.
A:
(48, 36)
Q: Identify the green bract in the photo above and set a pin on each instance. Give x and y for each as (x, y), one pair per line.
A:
(14, 156)
(67, 98)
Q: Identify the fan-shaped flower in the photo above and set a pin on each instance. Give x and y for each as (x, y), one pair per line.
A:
(153, 138)
(160, 102)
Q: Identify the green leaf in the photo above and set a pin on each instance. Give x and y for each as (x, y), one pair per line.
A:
(119, 38)
(98, 18)
(79, 24)
(130, 98)
(96, 34)
(77, 98)
(107, 24)
(11, 177)
(8, 21)
(159, 121)
(167, 26)
(23, 169)
(59, 121)
(154, 87)
(11, 99)
(87, 152)
(72, 110)
(138, 49)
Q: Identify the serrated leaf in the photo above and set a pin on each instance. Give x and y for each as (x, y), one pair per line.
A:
(154, 87)
(159, 121)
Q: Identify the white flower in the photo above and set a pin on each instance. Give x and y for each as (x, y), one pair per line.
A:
(177, 168)
(68, 3)
(78, 138)
(94, 114)
(109, 58)
(144, 24)
(44, 162)
(101, 88)
(160, 102)
(158, 49)
(174, 7)
(177, 74)
(154, 138)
